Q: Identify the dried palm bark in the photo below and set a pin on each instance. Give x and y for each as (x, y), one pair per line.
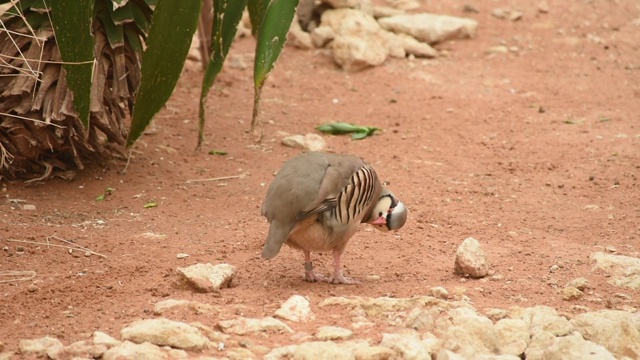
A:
(40, 131)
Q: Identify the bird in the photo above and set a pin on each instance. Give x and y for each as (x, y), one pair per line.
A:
(316, 202)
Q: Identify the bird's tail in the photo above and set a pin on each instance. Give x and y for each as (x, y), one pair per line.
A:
(277, 236)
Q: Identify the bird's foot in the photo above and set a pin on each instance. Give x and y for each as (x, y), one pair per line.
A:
(310, 276)
(339, 278)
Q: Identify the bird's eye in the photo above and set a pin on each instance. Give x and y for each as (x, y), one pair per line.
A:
(380, 213)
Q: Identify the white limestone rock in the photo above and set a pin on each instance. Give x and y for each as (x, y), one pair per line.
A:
(243, 325)
(624, 270)
(430, 28)
(207, 277)
(167, 332)
(471, 260)
(132, 351)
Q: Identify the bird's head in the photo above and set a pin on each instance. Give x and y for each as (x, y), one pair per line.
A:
(389, 213)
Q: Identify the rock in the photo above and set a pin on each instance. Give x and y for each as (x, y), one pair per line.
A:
(322, 35)
(165, 332)
(309, 142)
(161, 306)
(384, 11)
(297, 308)
(543, 319)
(404, 4)
(618, 331)
(355, 54)
(416, 48)
(7, 355)
(381, 305)
(571, 293)
(624, 270)
(297, 37)
(353, 4)
(512, 336)
(430, 28)
(29, 207)
(207, 277)
(130, 351)
(40, 346)
(80, 349)
(100, 338)
(505, 13)
(419, 319)
(284, 352)
(539, 343)
(321, 350)
(242, 325)
(405, 346)
(439, 292)
(579, 283)
(240, 354)
(445, 354)
(359, 40)
(199, 308)
(575, 347)
(471, 259)
(467, 333)
(325, 333)
(543, 7)
(373, 353)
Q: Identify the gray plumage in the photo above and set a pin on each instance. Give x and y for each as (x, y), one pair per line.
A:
(316, 202)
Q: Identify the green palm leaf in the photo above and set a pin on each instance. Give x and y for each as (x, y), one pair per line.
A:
(172, 27)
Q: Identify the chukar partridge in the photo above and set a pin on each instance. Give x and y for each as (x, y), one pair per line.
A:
(316, 202)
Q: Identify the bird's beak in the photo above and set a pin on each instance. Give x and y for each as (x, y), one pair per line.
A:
(382, 220)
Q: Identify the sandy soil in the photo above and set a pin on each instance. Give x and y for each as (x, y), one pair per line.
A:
(534, 152)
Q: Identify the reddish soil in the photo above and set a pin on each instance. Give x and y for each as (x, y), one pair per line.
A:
(534, 152)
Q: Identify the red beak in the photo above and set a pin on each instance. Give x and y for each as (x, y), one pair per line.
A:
(382, 220)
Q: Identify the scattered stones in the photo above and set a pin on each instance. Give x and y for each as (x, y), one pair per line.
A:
(199, 308)
(512, 336)
(320, 350)
(618, 331)
(242, 325)
(505, 13)
(422, 328)
(467, 333)
(40, 346)
(439, 292)
(131, 351)
(624, 270)
(207, 277)
(579, 283)
(167, 332)
(297, 308)
(575, 347)
(100, 338)
(419, 319)
(308, 142)
(80, 349)
(430, 28)
(405, 346)
(471, 259)
(571, 293)
(325, 333)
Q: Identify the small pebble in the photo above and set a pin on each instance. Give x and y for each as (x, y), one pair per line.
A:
(29, 207)
(182, 256)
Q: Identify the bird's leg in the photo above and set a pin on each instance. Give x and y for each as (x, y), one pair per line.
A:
(309, 275)
(338, 277)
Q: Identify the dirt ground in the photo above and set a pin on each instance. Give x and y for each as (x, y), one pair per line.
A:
(534, 152)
